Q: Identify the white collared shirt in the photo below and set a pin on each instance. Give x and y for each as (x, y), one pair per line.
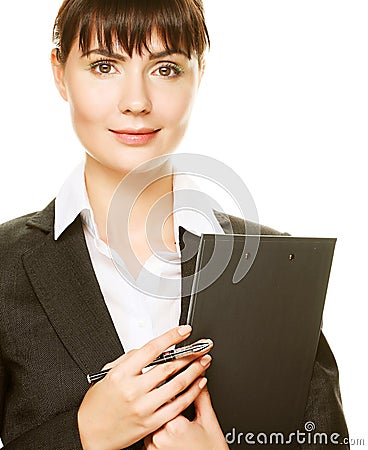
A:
(138, 314)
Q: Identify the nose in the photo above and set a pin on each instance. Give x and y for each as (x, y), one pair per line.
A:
(135, 98)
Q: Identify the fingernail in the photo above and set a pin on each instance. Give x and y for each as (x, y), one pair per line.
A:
(183, 330)
(205, 360)
(202, 383)
(205, 341)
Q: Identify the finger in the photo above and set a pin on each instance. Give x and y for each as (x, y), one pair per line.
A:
(203, 406)
(178, 383)
(150, 351)
(109, 365)
(119, 360)
(158, 374)
(170, 410)
(177, 425)
(164, 437)
(148, 445)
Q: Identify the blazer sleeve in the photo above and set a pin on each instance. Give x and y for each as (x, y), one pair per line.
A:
(2, 390)
(324, 405)
(58, 433)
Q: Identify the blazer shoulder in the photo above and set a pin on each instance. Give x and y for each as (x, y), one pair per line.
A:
(237, 225)
(13, 229)
(17, 235)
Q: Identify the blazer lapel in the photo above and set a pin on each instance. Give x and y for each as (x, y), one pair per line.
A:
(63, 279)
(62, 276)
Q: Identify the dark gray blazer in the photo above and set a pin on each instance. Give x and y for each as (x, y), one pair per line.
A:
(55, 328)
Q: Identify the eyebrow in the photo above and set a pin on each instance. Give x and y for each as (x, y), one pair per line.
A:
(120, 57)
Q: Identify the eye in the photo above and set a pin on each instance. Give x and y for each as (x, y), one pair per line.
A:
(169, 70)
(103, 67)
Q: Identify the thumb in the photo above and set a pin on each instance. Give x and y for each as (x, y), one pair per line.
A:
(114, 363)
(118, 360)
(206, 417)
(203, 406)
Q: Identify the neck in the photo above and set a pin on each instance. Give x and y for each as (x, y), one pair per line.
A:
(137, 194)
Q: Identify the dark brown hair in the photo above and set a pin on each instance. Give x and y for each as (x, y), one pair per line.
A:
(179, 24)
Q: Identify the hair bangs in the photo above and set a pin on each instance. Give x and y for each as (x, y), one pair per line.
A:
(132, 24)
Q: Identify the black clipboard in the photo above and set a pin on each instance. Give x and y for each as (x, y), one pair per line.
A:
(265, 329)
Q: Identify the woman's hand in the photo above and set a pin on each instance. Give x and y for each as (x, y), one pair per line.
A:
(128, 405)
(204, 433)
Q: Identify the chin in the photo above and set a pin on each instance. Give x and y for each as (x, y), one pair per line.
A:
(130, 163)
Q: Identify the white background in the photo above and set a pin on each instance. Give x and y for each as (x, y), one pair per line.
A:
(284, 102)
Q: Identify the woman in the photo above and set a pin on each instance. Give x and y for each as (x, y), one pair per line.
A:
(130, 71)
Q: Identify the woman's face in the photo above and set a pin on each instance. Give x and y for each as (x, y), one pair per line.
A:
(128, 110)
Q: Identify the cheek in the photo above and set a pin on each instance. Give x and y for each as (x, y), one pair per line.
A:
(176, 107)
(89, 105)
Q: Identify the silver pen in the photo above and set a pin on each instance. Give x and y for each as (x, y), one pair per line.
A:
(169, 355)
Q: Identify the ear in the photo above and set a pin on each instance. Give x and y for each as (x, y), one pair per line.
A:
(58, 71)
(202, 68)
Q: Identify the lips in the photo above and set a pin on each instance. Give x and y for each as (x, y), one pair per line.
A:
(139, 136)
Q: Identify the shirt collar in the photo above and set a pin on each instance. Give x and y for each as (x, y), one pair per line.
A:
(72, 200)
(193, 210)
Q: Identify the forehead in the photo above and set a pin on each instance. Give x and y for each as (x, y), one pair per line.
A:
(131, 39)
(134, 25)
(153, 45)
